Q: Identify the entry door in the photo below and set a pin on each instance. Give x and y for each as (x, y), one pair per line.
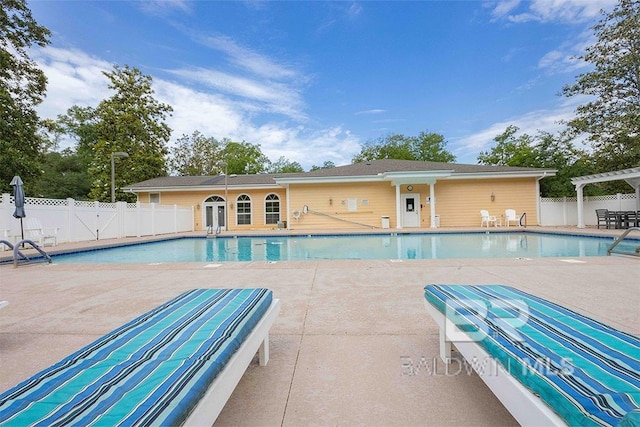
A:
(214, 215)
(410, 210)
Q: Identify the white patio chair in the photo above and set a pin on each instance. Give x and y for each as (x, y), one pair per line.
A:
(488, 219)
(41, 235)
(510, 216)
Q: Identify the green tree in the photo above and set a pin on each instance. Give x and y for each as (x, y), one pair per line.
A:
(328, 164)
(64, 175)
(431, 147)
(196, 155)
(244, 158)
(546, 151)
(611, 119)
(22, 88)
(130, 121)
(510, 150)
(283, 165)
(80, 124)
(425, 147)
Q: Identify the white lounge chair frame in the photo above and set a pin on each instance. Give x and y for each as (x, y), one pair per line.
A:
(527, 408)
(511, 216)
(212, 403)
(40, 234)
(488, 219)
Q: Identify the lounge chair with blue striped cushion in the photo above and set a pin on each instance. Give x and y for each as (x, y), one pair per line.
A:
(176, 364)
(547, 364)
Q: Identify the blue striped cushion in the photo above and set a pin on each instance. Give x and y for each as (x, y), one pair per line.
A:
(151, 371)
(587, 372)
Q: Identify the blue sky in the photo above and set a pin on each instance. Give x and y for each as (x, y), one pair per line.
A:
(313, 81)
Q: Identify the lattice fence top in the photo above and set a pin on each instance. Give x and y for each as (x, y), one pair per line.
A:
(607, 198)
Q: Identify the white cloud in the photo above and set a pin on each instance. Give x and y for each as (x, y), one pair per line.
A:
(530, 123)
(373, 111)
(272, 97)
(76, 78)
(565, 58)
(550, 10)
(249, 60)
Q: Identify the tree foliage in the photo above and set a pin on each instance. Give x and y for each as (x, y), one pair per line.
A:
(196, 155)
(284, 165)
(326, 165)
(22, 88)
(130, 121)
(424, 147)
(244, 158)
(64, 175)
(611, 120)
(543, 150)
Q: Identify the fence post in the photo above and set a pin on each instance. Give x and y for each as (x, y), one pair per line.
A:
(153, 219)
(175, 218)
(71, 212)
(6, 207)
(120, 219)
(564, 211)
(138, 218)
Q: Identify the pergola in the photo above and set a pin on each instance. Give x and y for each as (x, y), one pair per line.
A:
(631, 176)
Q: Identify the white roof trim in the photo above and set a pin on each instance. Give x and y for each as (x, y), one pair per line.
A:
(629, 175)
(201, 188)
(329, 179)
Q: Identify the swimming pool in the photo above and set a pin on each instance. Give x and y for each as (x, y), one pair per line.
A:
(387, 246)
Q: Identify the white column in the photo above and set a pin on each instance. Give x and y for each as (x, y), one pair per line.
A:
(432, 196)
(398, 208)
(579, 188)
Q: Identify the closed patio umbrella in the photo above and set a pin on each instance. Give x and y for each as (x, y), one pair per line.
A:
(18, 196)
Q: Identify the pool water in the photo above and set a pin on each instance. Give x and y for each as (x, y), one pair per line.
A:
(311, 248)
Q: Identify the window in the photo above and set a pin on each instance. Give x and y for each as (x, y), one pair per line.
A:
(272, 209)
(243, 203)
(214, 199)
(154, 198)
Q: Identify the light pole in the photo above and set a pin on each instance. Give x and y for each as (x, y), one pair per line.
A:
(113, 172)
(226, 195)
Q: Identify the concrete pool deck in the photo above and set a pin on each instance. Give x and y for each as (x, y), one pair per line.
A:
(353, 344)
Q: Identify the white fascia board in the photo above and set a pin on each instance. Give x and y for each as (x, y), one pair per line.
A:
(416, 177)
(201, 188)
(330, 179)
(498, 175)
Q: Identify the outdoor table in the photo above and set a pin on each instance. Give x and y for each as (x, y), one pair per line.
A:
(624, 219)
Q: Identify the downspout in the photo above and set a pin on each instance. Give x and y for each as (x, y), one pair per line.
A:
(538, 197)
(288, 207)
(398, 213)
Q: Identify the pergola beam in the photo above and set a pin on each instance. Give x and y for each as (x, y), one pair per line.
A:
(630, 176)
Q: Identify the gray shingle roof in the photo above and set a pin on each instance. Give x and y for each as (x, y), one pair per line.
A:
(373, 167)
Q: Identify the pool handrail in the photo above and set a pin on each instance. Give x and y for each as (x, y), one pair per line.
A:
(16, 251)
(611, 249)
(11, 247)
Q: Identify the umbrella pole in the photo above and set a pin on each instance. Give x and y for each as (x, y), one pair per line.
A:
(22, 232)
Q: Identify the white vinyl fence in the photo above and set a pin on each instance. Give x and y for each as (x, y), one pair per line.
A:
(564, 211)
(82, 221)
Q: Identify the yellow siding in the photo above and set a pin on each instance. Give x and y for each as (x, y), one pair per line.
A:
(196, 198)
(373, 201)
(458, 202)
